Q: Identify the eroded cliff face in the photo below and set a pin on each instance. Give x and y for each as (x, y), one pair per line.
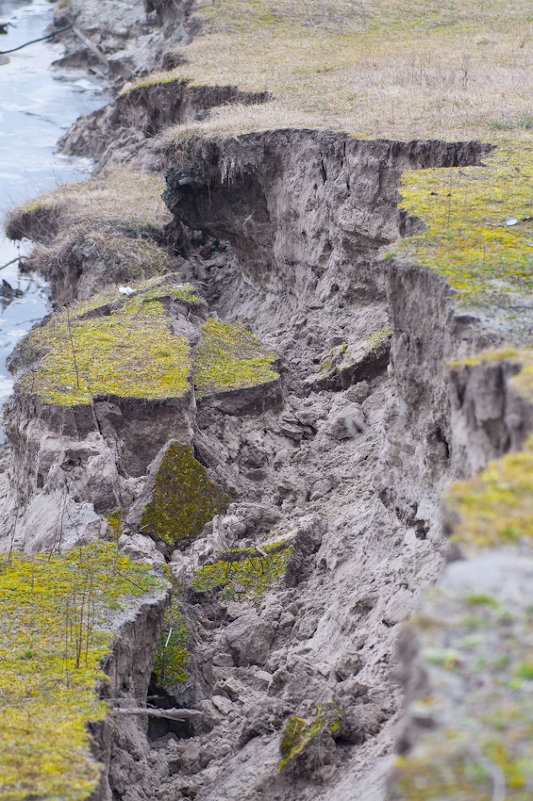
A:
(325, 525)
(343, 465)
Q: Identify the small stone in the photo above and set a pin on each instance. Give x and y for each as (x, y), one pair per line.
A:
(228, 687)
(190, 756)
(240, 588)
(308, 417)
(256, 475)
(399, 607)
(249, 639)
(357, 393)
(321, 488)
(287, 619)
(292, 431)
(222, 703)
(263, 678)
(223, 660)
(349, 422)
(281, 458)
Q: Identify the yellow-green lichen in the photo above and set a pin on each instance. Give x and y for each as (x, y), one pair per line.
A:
(487, 357)
(496, 507)
(344, 357)
(116, 523)
(183, 292)
(183, 499)
(171, 667)
(336, 355)
(380, 338)
(54, 634)
(229, 357)
(137, 292)
(298, 733)
(478, 225)
(132, 352)
(121, 343)
(244, 574)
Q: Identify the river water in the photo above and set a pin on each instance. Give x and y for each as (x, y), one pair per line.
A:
(37, 105)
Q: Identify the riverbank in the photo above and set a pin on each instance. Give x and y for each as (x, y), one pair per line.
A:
(316, 385)
(37, 108)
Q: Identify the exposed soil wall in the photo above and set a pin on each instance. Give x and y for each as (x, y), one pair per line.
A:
(344, 459)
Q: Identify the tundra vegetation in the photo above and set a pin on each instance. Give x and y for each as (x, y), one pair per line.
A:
(229, 357)
(298, 733)
(56, 629)
(110, 220)
(171, 668)
(123, 345)
(378, 69)
(130, 353)
(243, 574)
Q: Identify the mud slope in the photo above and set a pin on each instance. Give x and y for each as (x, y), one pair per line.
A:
(342, 473)
(269, 414)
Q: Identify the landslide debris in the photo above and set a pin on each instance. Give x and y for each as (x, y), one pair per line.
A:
(298, 458)
(287, 607)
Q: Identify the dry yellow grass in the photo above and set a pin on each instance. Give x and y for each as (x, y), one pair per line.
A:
(129, 199)
(108, 220)
(378, 68)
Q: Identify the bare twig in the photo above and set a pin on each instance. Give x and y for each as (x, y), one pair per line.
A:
(17, 258)
(170, 714)
(92, 47)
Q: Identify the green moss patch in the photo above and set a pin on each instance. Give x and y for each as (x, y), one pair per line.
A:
(183, 500)
(183, 292)
(156, 288)
(132, 352)
(172, 658)
(299, 733)
(479, 225)
(122, 344)
(241, 574)
(229, 357)
(53, 613)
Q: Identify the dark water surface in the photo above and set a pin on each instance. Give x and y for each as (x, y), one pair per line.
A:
(37, 105)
